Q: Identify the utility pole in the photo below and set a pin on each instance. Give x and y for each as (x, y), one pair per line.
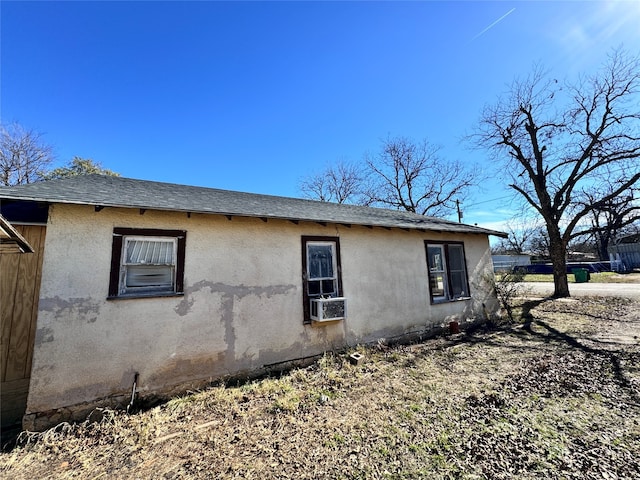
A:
(459, 212)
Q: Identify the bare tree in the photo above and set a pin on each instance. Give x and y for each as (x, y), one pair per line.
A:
(560, 142)
(609, 220)
(24, 156)
(339, 183)
(539, 244)
(404, 175)
(412, 176)
(78, 166)
(521, 233)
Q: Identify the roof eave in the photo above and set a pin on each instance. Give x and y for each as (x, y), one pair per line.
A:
(101, 205)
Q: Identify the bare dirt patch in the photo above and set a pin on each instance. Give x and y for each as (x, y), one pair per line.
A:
(555, 396)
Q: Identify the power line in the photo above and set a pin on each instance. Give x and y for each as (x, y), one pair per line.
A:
(488, 201)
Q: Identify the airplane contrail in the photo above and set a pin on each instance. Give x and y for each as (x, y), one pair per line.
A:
(495, 23)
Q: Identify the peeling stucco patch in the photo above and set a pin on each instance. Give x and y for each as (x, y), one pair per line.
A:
(41, 376)
(232, 291)
(84, 308)
(271, 356)
(128, 377)
(229, 294)
(229, 330)
(44, 335)
(177, 371)
(73, 396)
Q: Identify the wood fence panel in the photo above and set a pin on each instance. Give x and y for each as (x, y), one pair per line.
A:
(25, 307)
(8, 283)
(38, 247)
(20, 276)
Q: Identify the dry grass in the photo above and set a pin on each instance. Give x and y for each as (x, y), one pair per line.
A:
(555, 397)
(602, 277)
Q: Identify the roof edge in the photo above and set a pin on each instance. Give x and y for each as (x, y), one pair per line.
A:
(120, 192)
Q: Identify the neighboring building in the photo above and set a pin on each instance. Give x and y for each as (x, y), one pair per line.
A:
(506, 263)
(171, 286)
(625, 254)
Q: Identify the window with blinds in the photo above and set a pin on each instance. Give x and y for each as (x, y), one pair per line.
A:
(147, 262)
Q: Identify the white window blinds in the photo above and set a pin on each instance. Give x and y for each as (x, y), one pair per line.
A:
(149, 265)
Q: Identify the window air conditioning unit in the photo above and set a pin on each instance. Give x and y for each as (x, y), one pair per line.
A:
(328, 309)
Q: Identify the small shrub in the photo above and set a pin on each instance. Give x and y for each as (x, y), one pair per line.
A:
(507, 288)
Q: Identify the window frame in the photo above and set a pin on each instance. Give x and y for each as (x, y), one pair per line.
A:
(446, 271)
(337, 265)
(116, 277)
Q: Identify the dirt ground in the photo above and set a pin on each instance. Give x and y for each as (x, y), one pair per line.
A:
(554, 395)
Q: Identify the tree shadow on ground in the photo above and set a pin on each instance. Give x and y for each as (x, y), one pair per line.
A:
(552, 335)
(540, 335)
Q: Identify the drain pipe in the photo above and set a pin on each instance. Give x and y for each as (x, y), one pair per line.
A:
(133, 391)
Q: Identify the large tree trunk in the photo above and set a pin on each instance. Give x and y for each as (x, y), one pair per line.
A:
(602, 242)
(558, 254)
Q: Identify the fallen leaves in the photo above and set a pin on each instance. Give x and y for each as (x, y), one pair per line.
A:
(558, 399)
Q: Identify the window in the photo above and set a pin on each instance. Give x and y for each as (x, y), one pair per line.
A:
(320, 270)
(147, 262)
(447, 271)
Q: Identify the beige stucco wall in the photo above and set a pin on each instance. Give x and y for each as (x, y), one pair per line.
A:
(242, 307)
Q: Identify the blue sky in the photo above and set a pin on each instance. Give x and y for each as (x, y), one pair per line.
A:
(253, 96)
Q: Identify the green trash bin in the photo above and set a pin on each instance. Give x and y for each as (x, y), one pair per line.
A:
(581, 275)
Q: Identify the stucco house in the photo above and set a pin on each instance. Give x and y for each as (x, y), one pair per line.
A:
(153, 288)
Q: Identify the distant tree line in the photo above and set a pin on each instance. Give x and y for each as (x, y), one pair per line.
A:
(25, 157)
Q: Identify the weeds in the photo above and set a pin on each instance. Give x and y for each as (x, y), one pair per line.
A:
(558, 401)
(507, 288)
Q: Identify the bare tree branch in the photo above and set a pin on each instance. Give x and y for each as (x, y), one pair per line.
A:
(404, 175)
(608, 220)
(560, 142)
(411, 176)
(24, 156)
(341, 183)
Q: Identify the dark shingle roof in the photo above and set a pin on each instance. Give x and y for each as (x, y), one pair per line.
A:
(108, 191)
